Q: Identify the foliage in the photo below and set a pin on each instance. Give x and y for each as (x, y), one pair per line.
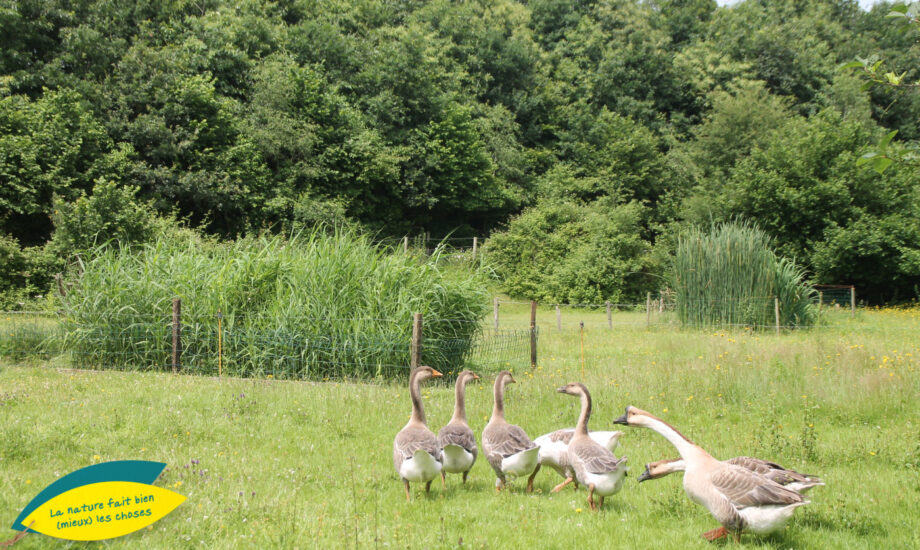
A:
(568, 252)
(729, 276)
(317, 304)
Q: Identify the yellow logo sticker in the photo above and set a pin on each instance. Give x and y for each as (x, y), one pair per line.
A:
(102, 510)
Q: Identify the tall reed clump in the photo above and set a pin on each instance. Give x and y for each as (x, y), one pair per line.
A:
(320, 304)
(730, 276)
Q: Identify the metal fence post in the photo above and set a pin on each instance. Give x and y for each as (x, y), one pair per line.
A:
(176, 335)
(533, 334)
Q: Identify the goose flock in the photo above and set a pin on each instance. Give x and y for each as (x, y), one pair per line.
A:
(741, 493)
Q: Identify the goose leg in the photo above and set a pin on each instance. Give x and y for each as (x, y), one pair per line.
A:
(427, 487)
(737, 536)
(559, 487)
(466, 473)
(715, 534)
(406, 483)
(600, 502)
(530, 479)
(443, 484)
(591, 496)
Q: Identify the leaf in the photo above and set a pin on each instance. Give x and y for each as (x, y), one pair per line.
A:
(866, 158)
(104, 510)
(899, 9)
(881, 164)
(139, 471)
(883, 143)
(851, 65)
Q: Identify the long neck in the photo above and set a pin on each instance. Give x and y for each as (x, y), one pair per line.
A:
(418, 413)
(582, 427)
(498, 409)
(460, 403)
(684, 446)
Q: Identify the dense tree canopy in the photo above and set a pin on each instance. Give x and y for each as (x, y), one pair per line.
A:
(623, 120)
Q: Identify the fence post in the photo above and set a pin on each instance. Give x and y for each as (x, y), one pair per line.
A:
(533, 334)
(558, 318)
(475, 246)
(176, 335)
(648, 309)
(416, 347)
(495, 311)
(660, 302)
(406, 244)
(852, 300)
(609, 317)
(820, 299)
(220, 344)
(776, 312)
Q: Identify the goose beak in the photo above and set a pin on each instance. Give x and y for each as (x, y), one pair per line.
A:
(475, 376)
(623, 420)
(435, 373)
(645, 475)
(561, 389)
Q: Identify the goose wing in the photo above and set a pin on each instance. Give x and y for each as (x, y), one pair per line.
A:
(596, 458)
(506, 440)
(772, 470)
(455, 434)
(745, 488)
(564, 435)
(411, 439)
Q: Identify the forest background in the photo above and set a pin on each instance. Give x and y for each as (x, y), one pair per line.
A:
(580, 136)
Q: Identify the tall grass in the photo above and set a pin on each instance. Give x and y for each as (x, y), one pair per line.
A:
(317, 305)
(730, 276)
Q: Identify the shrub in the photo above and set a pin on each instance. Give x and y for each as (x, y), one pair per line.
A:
(729, 275)
(569, 252)
(315, 305)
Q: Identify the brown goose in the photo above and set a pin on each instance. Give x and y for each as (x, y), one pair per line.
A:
(416, 453)
(789, 479)
(737, 497)
(506, 446)
(594, 465)
(456, 438)
(554, 448)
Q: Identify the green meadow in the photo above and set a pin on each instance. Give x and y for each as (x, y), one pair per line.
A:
(288, 464)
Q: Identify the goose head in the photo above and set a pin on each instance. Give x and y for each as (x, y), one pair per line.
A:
(503, 379)
(661, 468)
(424, 373)
(634, 417)
(572, 388)
(467, 375)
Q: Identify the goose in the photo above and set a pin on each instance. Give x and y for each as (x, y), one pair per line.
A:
(789, 479)
(416, 453)
(506, 446)
(456, 438)
(593, 464)
(738, 498)
(554, 448)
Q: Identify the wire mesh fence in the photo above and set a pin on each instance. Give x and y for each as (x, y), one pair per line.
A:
(243, 346)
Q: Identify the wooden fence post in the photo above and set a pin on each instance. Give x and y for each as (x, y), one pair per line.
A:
(820, 299)
(495, 311)
(220, 344)
(475, 246)
(852, 300)
(406, 244)
(176, 335)
(648, 309)
(609, 316)
(416, 346)
(776, 312)
(558, 318)
(533, 334)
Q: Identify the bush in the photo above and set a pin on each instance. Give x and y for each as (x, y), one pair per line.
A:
(568, 252)
(319, 304)
(729, 275)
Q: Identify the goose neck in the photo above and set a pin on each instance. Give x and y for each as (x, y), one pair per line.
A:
(418, 412)
(460, 401)
(582, 427)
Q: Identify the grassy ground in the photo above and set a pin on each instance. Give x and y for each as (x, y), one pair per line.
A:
(298, 465)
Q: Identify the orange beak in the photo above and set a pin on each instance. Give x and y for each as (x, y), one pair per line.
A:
(435, 373)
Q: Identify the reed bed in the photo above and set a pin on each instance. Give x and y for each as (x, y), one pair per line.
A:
(730, 276)
(316, 305)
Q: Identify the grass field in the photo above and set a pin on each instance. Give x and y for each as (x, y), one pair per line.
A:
(299, 465)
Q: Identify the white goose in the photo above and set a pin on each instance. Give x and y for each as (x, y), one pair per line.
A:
(554, 448)
(738, 498)
(593, 464)
(506, 446)
(789, 479)
(416, 453)
(456, 438)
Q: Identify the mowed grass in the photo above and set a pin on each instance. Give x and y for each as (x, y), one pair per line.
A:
(308, 465)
